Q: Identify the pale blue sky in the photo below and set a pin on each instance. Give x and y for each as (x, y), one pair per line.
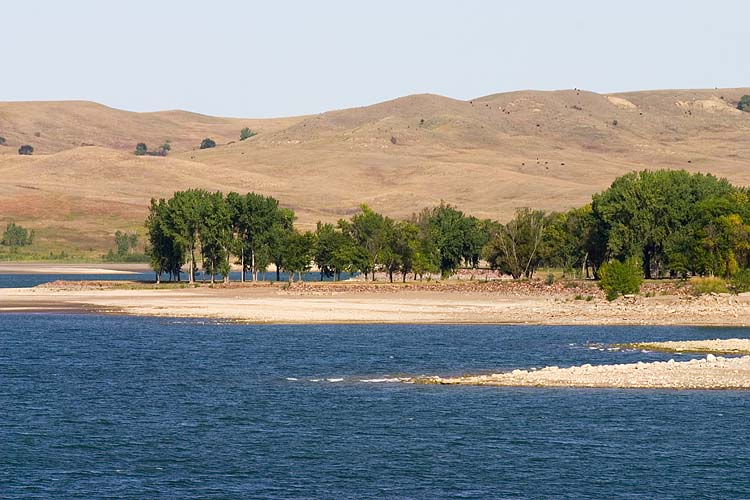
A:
(274, 58)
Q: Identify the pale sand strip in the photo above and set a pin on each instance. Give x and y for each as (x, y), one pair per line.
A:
(710, 373)
(270, 304)
(44, 268)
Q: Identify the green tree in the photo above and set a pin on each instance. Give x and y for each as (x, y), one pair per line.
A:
(367, 230)
(207, 143)
(744, 104)
(166, 254)
(298, 253)
(16, 236)
(246, 133)
(215, 233)
(184, 224)
(164, 149)
(141, 149)
(515, 248)
(641, 210)
(332, 252)
(278, 237)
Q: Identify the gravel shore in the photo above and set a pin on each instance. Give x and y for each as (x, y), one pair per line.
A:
(712, 372)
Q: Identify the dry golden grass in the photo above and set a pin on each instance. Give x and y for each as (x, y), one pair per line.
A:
(549, 150)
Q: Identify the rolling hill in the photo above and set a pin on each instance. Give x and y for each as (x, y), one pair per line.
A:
(488, 155)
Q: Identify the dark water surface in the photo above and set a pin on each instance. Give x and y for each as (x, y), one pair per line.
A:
(143, 408)
(19, 280)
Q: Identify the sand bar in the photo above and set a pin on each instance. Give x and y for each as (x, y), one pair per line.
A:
(47, 268)
(711, 372)
(714, 346)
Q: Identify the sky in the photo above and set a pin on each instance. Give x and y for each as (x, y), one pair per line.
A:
(283, 58)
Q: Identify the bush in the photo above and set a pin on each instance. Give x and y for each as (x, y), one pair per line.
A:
(207, 143)
(26, 150)
(2, 141)
(744, 104)
(740, 283)
(550, 279)
(246, 133)
(17, 236)
(620, 278)
(703, 286)
(141, 149)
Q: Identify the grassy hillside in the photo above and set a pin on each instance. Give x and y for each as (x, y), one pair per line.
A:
(488, 156)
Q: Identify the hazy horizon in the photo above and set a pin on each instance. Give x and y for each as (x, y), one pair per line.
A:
(234, 58)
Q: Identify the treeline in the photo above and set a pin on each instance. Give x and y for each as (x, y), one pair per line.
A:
(256, 232)
(672, 223)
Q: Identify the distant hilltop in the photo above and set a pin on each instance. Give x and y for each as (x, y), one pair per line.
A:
(487, 155)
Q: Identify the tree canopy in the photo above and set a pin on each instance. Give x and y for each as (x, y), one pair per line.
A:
(672, 223)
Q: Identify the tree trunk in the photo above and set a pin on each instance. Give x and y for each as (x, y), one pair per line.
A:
(647, 264)
(191, 275)
(278, 273)
(390, 275)
(242, 263)
(158, 278)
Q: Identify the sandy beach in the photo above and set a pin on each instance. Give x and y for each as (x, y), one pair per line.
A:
(499, 303)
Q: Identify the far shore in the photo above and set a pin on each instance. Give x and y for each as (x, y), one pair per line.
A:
(66, 268)
(382, 302)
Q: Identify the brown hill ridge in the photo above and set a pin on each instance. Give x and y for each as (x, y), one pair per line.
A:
(488, 155)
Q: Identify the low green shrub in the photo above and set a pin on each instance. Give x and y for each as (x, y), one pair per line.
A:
(740, 282)
(706, 285)
(620, 278)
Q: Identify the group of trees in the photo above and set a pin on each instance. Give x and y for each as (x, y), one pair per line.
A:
(126, 246)
(255, 231)
(670, 223)
(16, 236)
(674, 223)
(141, 149)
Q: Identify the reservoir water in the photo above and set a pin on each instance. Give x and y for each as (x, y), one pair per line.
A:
(22, 280)
(133, 408)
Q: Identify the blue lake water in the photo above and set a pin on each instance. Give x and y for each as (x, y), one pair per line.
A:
(135, 408)
(20, 280)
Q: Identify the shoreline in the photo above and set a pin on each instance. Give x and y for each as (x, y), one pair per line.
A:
(380, 303)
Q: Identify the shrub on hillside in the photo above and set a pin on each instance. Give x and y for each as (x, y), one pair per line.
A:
(26, 150)
(207, 143)
(709, 284)
(620, 278)
(141, 149)
(744, 104)
(2, 141)
(740, 282)
(246, 133)
(17, 236)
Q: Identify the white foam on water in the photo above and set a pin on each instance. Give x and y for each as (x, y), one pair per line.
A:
(380, 380)
(335, 379)
(292, 379)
